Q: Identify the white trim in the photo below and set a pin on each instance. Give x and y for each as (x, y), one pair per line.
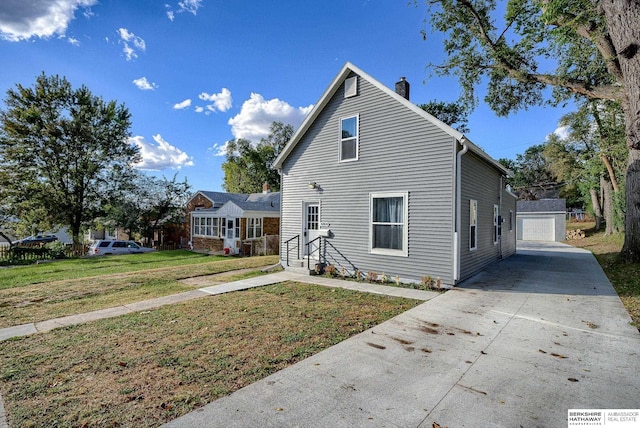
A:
(404, 252)
(356, 138)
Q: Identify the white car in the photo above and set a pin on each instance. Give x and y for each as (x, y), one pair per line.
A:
(114, 247)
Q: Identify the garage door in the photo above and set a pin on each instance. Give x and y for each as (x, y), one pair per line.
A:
(538, 229)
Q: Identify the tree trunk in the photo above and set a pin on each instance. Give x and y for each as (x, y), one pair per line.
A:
(612, 175)
(607, 205)
(631, 248)
(623, 22)
(597, 209)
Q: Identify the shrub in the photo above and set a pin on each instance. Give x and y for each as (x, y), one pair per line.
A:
(56, 249)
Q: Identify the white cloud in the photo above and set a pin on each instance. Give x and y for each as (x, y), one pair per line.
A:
(199, 109)
(561, 132)
(24, 19)
(132, 43)
(182, 105)
(159, 156)
(221, 101)
(190, 6)
(219, 149)
(257, 114)
(144, 85)
(74, 42)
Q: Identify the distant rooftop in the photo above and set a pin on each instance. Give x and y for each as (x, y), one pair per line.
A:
(542, 205)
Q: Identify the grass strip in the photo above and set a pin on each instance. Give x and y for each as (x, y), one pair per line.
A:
(147, 368)
(19, 276)
(47, 300)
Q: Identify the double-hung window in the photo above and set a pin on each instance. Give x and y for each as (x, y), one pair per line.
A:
(349, 139)
(389, 223)
(254, 228)
(473, 224)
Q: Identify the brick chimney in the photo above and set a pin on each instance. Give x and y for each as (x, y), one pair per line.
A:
(266, 188)
(402, 88)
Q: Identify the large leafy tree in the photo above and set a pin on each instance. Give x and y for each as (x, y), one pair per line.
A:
(591, 157)
(455, 115)
(248, 167)
(532, 177)
(147, 203)
(62, 150)
(579, 48)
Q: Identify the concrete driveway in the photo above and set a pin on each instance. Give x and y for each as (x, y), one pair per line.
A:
(517, 345)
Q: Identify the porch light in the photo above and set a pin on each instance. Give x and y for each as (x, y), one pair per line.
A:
(312, 185)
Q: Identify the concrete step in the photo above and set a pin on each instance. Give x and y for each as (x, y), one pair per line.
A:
(297, 269)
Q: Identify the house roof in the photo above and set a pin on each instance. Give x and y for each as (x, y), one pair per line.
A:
(246, 201)
(542, 205)
(220, 198)
(347, 69)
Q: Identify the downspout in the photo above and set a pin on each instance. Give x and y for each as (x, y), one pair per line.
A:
(456, 234)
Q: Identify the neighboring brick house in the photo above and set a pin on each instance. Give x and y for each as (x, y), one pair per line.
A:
(234, 223)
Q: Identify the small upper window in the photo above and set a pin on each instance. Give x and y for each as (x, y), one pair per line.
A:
(351, 87)
(349, 139)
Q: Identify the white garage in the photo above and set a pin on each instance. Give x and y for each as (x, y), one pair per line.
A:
(541, 220)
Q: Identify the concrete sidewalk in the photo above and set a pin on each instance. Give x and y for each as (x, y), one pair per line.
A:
(274, 278)
(517, 345)
(244, 284)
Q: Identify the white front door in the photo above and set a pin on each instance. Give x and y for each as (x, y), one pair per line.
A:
(230, 229)
(310, 226)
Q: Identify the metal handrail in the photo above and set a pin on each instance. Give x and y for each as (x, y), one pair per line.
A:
(297, 237)
(319, 239)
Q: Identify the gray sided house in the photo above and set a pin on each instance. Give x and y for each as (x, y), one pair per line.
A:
(542, 220)
(372, 182)
(233, 223)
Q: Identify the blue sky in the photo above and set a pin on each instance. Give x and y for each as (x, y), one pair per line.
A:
(197, 73)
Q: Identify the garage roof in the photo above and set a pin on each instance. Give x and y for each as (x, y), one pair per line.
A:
(542, 205)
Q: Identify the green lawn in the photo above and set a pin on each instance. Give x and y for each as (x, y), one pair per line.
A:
(102, 265)
(147, 368)
(51, 290)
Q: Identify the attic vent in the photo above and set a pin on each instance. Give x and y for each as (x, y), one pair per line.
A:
(351, 87)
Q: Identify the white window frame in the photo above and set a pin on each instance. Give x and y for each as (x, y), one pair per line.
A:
(473, 224)
(510, 220)
(254, 227)
(204, 224)
(404, 252)
(496, 224)
(356, 139)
